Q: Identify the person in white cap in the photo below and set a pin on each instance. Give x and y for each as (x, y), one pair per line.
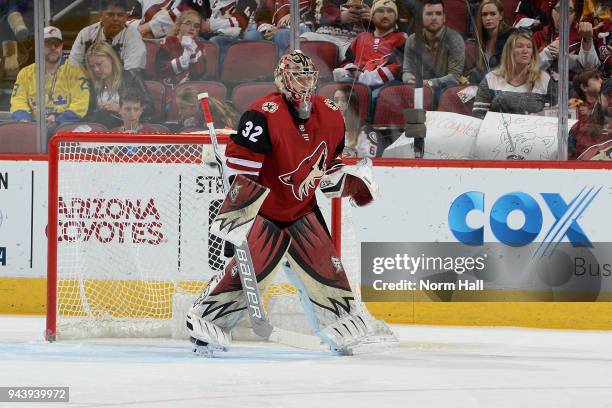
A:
(66, 86)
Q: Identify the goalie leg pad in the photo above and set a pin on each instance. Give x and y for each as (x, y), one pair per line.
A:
(239, 209)
(323, 279)
(222, 304)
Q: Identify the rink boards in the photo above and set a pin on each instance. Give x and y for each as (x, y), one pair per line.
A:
(413, 207)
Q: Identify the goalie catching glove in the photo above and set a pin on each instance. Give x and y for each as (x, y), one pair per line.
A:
(355, 182)
(238, 211)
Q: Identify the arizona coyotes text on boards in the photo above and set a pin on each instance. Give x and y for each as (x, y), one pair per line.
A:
(109, 220)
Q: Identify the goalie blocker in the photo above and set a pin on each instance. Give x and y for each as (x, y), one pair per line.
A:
(320, 277)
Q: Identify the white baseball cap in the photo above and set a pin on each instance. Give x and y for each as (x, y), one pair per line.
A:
(53, 32)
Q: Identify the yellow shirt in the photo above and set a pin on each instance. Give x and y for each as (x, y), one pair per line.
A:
(67, 93)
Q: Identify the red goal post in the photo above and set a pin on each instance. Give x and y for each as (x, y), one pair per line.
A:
(127, 232)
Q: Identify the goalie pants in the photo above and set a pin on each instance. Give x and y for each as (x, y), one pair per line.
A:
(311, 255)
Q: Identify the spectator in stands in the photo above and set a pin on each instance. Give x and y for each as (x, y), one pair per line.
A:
(109, 81)
(598, 128)
(131, 107)
(66, 86)
(375, 58)
(354, 18)
(597, 12)
(587, 86)
(181, 55)
(113, 29)
(531, 14)
(582, 54)
(492, 32)
(189, 111)
(159, 16)
(443, 51)
(223, 113)
(15, 40)
(518, 85)
(190, 114)
(360, 141)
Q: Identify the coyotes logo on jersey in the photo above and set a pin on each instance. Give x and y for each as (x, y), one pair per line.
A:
(304, 178)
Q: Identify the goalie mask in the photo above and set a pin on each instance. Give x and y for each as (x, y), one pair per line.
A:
(296, 78)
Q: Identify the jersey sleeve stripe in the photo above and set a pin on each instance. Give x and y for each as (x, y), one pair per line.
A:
(232, 172)
(245, 163)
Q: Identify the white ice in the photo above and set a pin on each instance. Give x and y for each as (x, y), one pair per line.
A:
(434, 367)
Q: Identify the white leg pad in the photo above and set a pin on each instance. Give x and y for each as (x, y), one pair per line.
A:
(207, 331)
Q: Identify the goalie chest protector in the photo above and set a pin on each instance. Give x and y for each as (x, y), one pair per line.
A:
(289, 156)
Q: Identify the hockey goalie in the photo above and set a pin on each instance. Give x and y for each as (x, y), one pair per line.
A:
(287, 144)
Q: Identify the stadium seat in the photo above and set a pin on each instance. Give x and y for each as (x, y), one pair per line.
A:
(80, 126)
(450, 102)
(324, 55)
(212, 60)
(155, 127)
(18, 137)
(247, 61)
(470, 56)
(510, 10)
(363, 95)
(215, 89)
(151, 67)
(245, 94)
(391, 102)
(456, 15)
(157, 91)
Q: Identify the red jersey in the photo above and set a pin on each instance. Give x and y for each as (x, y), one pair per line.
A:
(289, 156)
(169, 66)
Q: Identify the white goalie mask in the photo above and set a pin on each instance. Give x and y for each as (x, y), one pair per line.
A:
(296, 78)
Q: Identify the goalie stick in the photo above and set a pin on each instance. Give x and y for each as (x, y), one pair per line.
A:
(257, 315)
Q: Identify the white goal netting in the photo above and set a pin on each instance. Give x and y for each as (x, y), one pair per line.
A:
(133, 244)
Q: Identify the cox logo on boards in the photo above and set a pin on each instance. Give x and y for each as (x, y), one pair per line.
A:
(565, 214)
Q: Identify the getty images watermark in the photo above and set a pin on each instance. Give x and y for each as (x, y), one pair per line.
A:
(392, 271)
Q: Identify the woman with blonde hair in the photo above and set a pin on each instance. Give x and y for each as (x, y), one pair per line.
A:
(518, 85)
(181, 57)
(492, 32)
(109, 80)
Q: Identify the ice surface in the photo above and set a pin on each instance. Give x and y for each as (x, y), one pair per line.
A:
(434, 367)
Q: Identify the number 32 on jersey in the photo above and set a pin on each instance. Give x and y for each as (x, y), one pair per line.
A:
(251, 131)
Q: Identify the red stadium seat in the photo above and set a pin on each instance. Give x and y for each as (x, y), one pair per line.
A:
(456, 15)
(151, 67)
(212, 60)
(391, 102)
(510, 10)
(18, 137)
(157, 91)
(79, 126)
(450, 102)
(215, 89)
(155, 127)
(363, 95)
(249, 61)
(324, 55)
(245, 94)
(470, 56)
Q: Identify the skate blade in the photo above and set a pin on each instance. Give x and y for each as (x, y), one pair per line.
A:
(344, 351)
(203, 349)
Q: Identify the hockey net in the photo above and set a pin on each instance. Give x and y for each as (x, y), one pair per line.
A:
(129, 242)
